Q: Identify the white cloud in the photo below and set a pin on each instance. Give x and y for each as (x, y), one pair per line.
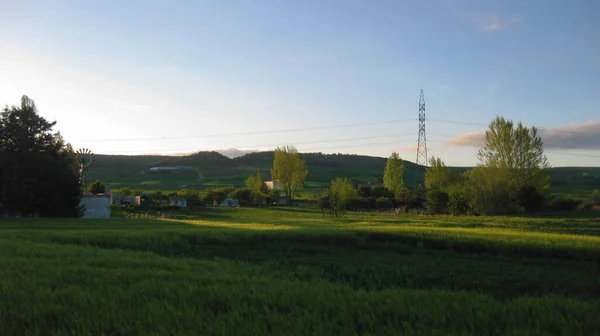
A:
(584, 136)
(490, 22)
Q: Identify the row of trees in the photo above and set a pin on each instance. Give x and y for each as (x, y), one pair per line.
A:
(39, 175)
(511, 176)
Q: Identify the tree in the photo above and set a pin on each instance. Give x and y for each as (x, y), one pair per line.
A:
(516, 152)
(341, 193)
(38, 173)
(393, 174)
(96, 187)
(257, 185)
(289, 170)
(438, 176)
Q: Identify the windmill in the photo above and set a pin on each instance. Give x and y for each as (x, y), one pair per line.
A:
(85, 159)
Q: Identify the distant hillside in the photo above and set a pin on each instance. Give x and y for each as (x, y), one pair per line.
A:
(217, 169)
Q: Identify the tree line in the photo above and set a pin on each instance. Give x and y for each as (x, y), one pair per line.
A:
(511, 177)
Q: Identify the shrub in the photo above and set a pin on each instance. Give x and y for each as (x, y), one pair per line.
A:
(217, 194)
(458, 201)
(595, 197)
(564, 204)
(364, 191)
(437, 201)
(529, 198)
(243, 195)
(383, 203)
(381, 191)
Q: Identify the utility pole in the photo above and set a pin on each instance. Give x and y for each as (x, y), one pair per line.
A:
(421, 142)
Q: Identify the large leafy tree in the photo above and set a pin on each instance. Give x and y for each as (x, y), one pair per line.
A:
(393, 174)
(516, 152)
(438, 175)
(289, 170)
(38, 174)
(513, 168)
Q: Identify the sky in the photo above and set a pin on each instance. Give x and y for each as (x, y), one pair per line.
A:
(344, 76)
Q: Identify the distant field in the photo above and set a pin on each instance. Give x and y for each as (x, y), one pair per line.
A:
(295, 272)
(218, 170)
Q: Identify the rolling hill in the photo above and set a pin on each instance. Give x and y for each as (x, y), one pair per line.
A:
(133, 171)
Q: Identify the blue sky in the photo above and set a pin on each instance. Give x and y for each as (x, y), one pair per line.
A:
(149, 76)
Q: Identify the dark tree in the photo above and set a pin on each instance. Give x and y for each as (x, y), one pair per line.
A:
(96, 187)
(38, 174)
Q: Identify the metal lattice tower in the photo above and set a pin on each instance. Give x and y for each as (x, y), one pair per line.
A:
(422, 140)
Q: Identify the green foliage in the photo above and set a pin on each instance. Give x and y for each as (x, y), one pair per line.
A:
(125, 191)
(341, 193)
(437, 201)
(459, 200)
(529, 198)
(217, 194)
(189, 194)
(595, 197)
(564, 204)
(381, 191)
(393, 174)
(243, 195)
(289, 170)
(96, 187)
(438, 175)
(517, 152)
(364, 191)
(257, 186)
(38, 173)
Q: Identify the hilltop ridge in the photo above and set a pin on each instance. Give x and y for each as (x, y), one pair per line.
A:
(218, 169)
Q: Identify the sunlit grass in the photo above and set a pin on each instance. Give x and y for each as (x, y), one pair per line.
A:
(296, 272)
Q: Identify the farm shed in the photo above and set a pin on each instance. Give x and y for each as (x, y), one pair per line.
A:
(178, 200)
(95, 206)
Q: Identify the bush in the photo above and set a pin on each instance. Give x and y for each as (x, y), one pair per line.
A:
(364, 190)
(243, 195)
(458, 201)
(381, 191)
(217, 194)
(408, 198)
(595, 197)
(383, 203)
(437, 201)
(529, 198)
(361, 204)
(564, 204)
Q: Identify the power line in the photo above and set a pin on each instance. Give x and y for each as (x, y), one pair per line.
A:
(214, 135)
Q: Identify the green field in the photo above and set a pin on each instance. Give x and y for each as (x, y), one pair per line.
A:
(218, 170)
(287, 271)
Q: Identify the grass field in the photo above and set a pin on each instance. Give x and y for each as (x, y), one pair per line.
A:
(294, 272)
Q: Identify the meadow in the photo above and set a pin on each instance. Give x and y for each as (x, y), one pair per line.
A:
(291, 271)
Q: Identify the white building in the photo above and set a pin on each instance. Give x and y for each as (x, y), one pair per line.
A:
(272, 185)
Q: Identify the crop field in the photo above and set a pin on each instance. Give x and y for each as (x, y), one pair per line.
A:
(287, 271)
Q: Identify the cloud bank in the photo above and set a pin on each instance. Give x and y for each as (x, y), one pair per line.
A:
(584, 136)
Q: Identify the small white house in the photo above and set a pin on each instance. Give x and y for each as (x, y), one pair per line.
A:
(178, 200)
(272, 185)
(229, 202)
(95, 206)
